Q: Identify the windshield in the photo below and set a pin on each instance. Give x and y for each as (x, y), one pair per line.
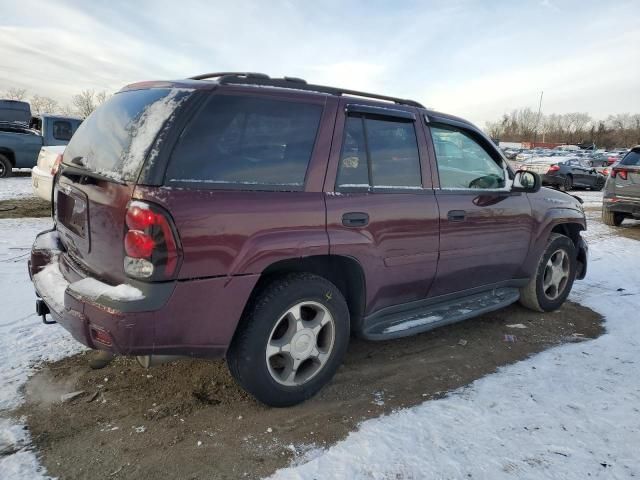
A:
(114, 140)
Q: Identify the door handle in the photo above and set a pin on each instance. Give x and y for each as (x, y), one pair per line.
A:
(456, 215)
(355, 219)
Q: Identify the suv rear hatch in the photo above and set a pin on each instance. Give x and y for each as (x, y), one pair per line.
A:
(100, 168)
(625, 176)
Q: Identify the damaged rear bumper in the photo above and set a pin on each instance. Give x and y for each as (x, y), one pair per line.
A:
(172, 318)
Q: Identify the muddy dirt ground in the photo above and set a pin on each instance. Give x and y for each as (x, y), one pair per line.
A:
(189, 420)
(24, 207)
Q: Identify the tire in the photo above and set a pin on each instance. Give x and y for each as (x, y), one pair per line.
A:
(536, 296)
(267, 321)
(6, 169)
(567, 185)
(613, 219)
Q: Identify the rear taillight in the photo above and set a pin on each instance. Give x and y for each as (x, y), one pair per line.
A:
(56, 165)
(619, 173)
(612, 160)
(553, 168)
(151, 246)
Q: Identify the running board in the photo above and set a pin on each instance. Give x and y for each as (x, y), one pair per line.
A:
(425, 318)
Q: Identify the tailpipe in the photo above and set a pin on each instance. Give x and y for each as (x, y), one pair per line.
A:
(148, 361)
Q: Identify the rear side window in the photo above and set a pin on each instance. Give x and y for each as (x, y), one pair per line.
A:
(244, 142)
(114, 140)
(631, 159)
(62, 130)
(379, 153)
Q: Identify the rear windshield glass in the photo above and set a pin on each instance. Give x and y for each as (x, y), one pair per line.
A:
(241, 142)
(632, 159)
(114, 140)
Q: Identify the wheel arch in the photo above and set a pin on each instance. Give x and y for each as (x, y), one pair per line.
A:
(573, 230)
(344, 272)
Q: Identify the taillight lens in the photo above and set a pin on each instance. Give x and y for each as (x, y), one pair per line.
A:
(605, 172)
(150, 243)
(553, 168)
(138, 244)
(612, 160)
(619, 172)
(56, 165)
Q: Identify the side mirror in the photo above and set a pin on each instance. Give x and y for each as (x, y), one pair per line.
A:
(526, 181)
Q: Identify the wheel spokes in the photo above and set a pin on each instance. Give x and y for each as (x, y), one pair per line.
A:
(300, 343)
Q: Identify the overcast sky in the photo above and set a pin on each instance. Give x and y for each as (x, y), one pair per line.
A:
(476, 59)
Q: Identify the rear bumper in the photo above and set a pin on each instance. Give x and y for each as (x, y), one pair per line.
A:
(195, 317)
(42, 182)
(622, 204)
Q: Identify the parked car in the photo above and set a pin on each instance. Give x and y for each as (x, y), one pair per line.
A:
(20, 143)
(265, 220)
(566, 173)
(622, 190)
(525, 155)
(42, 174)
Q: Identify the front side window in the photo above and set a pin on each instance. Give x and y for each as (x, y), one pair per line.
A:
(243, 142)
(379, 153)
(463, 163)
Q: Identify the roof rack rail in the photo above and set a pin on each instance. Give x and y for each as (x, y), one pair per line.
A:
(247, 78)
(204, 76)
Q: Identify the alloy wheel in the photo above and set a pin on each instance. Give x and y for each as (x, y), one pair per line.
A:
(300, 343)
(556, 274)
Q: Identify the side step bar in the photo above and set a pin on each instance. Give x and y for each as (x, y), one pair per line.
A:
(410, 322)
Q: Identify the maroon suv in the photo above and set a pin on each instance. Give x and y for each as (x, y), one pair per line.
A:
(263, 220)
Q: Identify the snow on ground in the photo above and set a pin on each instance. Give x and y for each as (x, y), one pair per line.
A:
(24, 339)
(15, 187)
(589, 197)
(572, 412)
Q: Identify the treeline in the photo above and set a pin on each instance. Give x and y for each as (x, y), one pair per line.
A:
(82, 104)
(524, 125)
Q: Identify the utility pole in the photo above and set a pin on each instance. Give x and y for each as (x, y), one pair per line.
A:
(535, 133)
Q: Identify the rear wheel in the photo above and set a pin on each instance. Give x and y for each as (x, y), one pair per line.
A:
(613, 219)
(291, 341)
(567, 185)
(6, 169)
(554, 277)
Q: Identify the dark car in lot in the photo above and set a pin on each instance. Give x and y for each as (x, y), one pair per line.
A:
(265, 220)
(566, 173)
(622, 190)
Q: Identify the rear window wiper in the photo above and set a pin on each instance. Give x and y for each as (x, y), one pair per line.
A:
(72, 171)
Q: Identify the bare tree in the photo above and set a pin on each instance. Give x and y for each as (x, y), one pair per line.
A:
(620, 130)
(84, 103)
(87, 101)
(15, 93)
(41, 105)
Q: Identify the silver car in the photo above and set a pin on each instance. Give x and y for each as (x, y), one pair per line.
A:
(622, 190)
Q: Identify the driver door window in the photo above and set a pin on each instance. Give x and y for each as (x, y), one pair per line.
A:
(463, 163)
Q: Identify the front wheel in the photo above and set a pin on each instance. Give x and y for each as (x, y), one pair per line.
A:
(6, 169)
(555, 275)
(291, 341)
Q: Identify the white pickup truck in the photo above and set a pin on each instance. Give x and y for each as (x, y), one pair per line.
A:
(42, 174)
